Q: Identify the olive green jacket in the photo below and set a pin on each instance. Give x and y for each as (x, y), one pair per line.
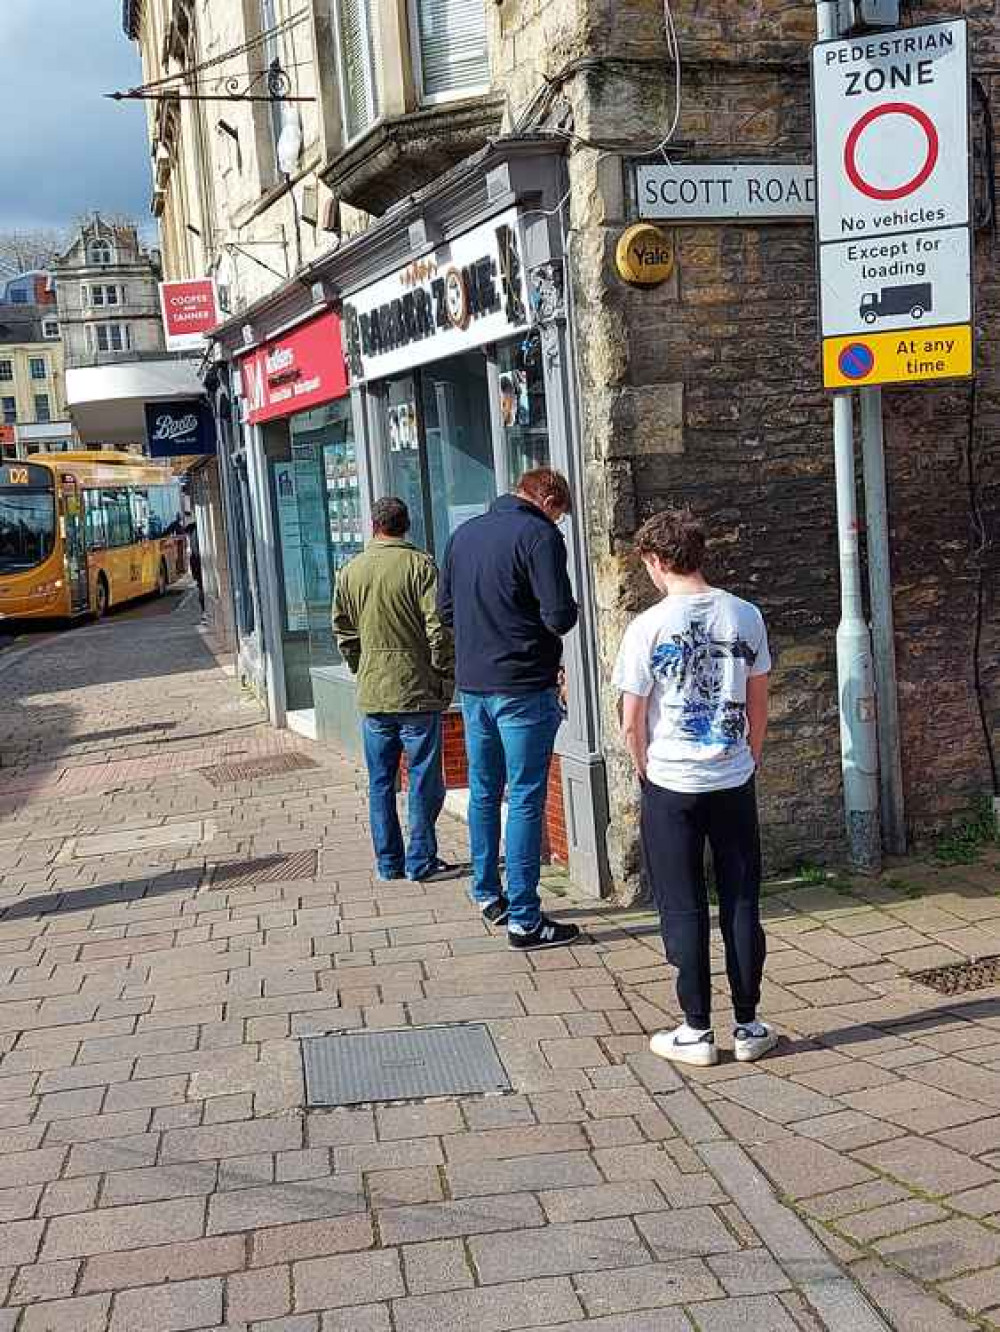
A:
(389, 632)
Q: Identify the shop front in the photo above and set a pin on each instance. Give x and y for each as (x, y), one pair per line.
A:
(308, 491)
(459, 368)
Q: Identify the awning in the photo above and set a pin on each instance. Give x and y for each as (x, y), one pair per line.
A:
(107, 402)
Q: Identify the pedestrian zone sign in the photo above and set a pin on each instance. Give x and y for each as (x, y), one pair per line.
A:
(891, 125)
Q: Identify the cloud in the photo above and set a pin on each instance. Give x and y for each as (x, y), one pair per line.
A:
(66, 150)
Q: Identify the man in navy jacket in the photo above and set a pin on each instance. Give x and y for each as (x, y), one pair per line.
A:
(505, 589)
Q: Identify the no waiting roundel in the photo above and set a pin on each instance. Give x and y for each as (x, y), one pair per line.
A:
(891, 117)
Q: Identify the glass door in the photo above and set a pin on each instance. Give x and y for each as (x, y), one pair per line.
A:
(73, 545)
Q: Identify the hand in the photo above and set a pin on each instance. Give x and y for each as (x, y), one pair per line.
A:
(563, 687)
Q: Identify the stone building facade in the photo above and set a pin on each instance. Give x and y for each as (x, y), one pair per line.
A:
(108, 298)
(705, 390)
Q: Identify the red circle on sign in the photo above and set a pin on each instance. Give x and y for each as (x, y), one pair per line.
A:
(876, 113)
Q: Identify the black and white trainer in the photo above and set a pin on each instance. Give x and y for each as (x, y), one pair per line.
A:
(686, 1046)
(548, 934)
(497, 912)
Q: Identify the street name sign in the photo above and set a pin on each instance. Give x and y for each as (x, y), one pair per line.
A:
(757, 191)
(891, 125)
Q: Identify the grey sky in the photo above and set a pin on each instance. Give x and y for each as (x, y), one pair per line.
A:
(65, 150)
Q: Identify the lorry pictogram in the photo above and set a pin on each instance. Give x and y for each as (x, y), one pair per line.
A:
(915, 299)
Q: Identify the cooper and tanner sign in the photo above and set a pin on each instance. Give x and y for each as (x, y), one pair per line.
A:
(760, 191)
(291, 374)
(891, 116)
(190, 312)
(179, 429)
(466, 293)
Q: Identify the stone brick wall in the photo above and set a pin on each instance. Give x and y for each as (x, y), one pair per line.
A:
(707, 391)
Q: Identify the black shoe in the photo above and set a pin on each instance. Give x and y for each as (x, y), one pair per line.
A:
(439, 871)
(497, 912)
(549, 934)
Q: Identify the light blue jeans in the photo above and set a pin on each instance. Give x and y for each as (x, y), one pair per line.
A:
(509, 739)
(387, 737)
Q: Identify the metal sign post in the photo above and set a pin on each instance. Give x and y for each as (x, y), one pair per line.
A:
(855, 669)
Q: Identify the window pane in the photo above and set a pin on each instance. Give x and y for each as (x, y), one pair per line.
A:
(96, 527)
(9, 410)
(37, 367)
(140, 515)
(27, 529)
(6, 371)
(522, 406)
(328, 495)
(404, 469)
(453, 51)
(459, 444)
(42, 409)
(360, 63)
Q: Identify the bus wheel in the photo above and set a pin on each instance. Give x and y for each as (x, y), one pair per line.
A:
(103, 598)
(162, 580)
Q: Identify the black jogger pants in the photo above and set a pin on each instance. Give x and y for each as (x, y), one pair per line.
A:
(675, 827)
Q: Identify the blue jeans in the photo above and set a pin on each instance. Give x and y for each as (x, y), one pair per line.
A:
(509, 739)
(387, 737)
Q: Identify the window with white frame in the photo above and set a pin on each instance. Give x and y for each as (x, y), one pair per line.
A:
(360, 64)
(100, 252)
(451, 56)
(6, 371)
(50, 328)
(102, 294)
(272, 55)
(36, 367)
(109, 337)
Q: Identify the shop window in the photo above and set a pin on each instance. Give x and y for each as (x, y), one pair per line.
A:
(327, 493)
(522, 406)
(405, 472)
(450, 48)
(459, 446)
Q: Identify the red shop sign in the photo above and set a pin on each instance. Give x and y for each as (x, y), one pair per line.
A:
(301, 370)
(190, 312)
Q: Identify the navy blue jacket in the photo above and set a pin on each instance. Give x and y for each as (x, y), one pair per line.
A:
(505, 589)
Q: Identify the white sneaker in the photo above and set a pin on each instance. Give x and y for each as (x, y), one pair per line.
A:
(685, 1046)
(753, 1041)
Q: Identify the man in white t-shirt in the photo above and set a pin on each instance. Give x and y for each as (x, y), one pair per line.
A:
(693, 674)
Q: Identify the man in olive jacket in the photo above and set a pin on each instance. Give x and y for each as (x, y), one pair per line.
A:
(392, 638)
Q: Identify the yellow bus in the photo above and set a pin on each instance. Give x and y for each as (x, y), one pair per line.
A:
(81, 532)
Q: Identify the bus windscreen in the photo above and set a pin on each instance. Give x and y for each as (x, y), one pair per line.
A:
(27, 517)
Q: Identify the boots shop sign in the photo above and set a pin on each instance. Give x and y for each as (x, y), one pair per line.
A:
(467, 293)
(292, 374)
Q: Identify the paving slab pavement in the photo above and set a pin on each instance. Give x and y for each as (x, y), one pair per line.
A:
(166, 941)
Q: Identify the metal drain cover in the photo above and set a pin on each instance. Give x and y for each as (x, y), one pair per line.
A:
(271, 765)
(268, 869)
(407, 1065)
(961, 977)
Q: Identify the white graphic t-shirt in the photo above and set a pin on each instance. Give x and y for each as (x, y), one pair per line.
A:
(691, 656)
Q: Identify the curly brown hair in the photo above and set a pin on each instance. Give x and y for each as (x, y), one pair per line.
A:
(677, 537)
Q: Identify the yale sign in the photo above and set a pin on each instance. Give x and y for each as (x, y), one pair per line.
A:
(644, 256)
(891, 118)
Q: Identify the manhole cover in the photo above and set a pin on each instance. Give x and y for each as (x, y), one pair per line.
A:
(960, 977)
(269, 869)
(357, 1067)
(272, 765)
